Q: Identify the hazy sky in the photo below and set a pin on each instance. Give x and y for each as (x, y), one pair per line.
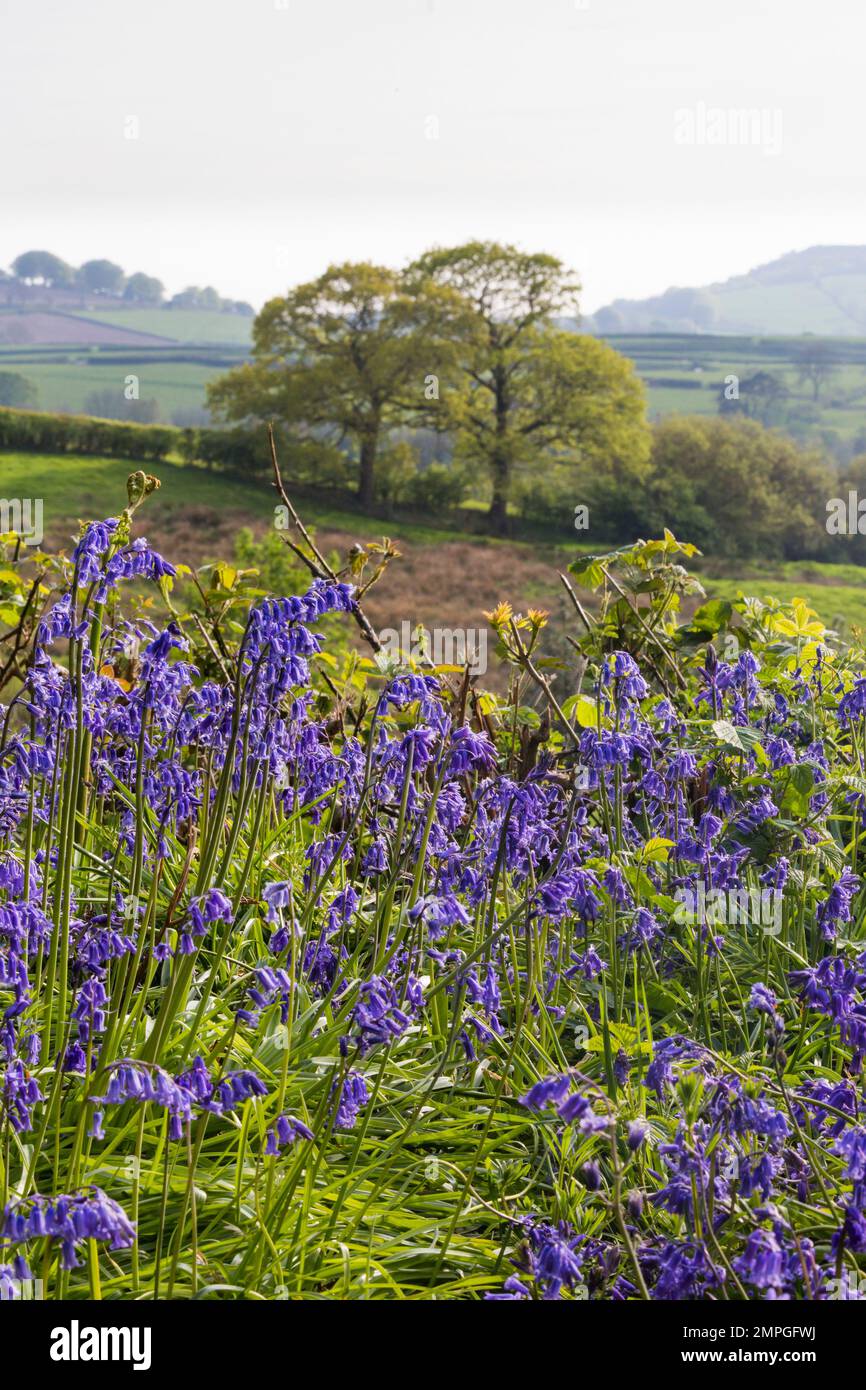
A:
(275, 136)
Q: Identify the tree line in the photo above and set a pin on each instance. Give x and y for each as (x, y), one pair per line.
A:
(104, 277)
(732, 486)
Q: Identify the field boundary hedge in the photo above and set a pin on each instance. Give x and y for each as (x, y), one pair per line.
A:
(32, 431)
(41, 432)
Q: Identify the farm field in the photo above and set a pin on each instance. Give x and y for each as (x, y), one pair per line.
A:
(25, 329)
(175, 379)
(66, 386)
(182, 325)
(21, 326)
(684, 374)
(69, 356)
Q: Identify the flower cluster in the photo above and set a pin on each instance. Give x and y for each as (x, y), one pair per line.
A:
(456, 934)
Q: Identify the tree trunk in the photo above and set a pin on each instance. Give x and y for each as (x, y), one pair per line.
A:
(367, 474)
(498, 513)
(500, 462)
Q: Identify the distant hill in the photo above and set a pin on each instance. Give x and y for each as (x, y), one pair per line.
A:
(45, 303)
(110, 326)
(821, 290)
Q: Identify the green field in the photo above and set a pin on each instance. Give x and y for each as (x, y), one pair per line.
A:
(208, 507)
(175, 378)
(684, 374)
(182, 325)
(73, 487)
(65, 386)
(836, 592)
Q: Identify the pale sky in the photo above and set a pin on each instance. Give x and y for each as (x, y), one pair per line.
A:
(276, 136)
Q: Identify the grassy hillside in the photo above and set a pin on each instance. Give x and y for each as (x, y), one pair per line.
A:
(834, 591)
(65, 386)
(821, 290)
(182, 325)
(441, 578)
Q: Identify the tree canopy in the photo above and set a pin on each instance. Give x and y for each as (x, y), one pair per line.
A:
(466, 340)
(734, 478)
(527, 387)
(816, 363)
(346, 355)
(42, 268)
(105, 277)
(143, 289)
(101, 276)
(17, 390)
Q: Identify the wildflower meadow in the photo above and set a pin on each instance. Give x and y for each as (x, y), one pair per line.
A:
(324, 977)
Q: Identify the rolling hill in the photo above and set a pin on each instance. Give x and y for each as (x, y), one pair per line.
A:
(821, 290)
(22, 328)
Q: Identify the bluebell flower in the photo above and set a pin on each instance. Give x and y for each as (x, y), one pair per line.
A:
(763, 1000)
(379, 1015)
(89, 1215)
(286, 1132)
(353, 1096)
(546, 1092)
(762, 1263)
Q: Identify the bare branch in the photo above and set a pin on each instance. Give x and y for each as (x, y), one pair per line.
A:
(319, 565)
(581, 611)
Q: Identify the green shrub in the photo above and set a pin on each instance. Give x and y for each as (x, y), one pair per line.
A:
(246, 452)
(548, 499)
(17, 391)
(82, 434)
(437, 488)
(396, 469)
